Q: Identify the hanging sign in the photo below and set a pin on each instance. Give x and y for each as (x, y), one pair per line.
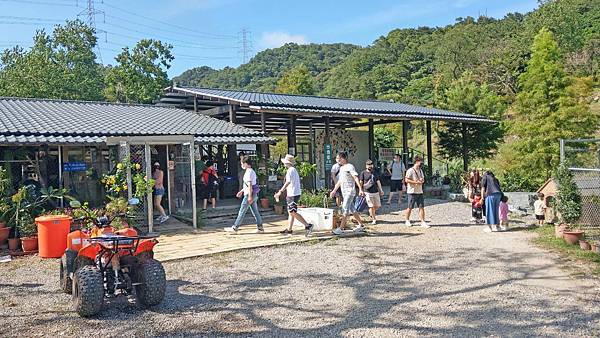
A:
(74, 166)
(328, 157)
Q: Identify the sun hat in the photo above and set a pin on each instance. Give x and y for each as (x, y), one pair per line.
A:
(288, 159)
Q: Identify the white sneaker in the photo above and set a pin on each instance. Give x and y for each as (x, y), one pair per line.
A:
(230, 229)
(407, 223)
(473, 219)
(359, 228)
(425, 225)
(337, 231)
(374, 222)
(260, 231)
(487, 229)
(163, 219)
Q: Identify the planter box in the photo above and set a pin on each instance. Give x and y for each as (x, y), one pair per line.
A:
(321, 218)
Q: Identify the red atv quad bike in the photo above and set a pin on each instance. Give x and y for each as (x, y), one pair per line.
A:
(107, 263)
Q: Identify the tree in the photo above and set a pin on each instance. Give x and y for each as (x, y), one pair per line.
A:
(550, 106)
(384, 138)
(569, 198)
(466, 96)
(296, 81)
(140, 74)
(58, 66)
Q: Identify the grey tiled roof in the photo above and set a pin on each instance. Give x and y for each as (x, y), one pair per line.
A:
(358, 108)
(21, 117)
(38, 139)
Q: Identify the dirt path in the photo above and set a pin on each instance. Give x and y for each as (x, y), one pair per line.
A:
(450, 279)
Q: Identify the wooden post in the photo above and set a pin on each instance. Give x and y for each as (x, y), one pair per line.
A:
(232, 158)
(429, 150)
(193, 183)
(292, 135)
(195, 104)
(327, 141)
(60, 170)
(148, 161)
(263, 128)
(371, 140)
(405, 143)
(169, 194)
(232, 114)
(464, 147)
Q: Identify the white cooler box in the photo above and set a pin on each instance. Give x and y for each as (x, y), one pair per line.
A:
(321, 218)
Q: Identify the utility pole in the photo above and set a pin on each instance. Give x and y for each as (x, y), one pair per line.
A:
(90, 12)
(245, 37)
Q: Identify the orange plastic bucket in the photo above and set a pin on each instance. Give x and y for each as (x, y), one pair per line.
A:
(52, 235)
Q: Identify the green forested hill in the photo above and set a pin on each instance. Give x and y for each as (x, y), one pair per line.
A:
(263, 70)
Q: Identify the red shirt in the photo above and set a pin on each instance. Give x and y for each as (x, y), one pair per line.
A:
(207, 172)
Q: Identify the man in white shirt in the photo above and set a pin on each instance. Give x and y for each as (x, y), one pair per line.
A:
(293, 192)
(414, 188)
(396, 169)
(347, 182)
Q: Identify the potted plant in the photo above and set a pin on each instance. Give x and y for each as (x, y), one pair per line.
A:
(28, 233)
(280, 207)
(4, 204)
(264, 200)
(594, 246)
(568, 204)
(584, 245)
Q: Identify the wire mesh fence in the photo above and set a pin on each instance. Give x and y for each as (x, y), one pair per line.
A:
(582, 156)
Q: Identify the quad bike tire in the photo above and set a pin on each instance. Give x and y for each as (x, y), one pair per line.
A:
(152, 282)
(88, 291)
(66, 283)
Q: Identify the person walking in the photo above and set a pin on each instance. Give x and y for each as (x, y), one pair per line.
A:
(397, 170)
(414, 188)
(250, 197)
(293, 191)
(347, 182)
(371, 185)
(490, 190)
(335, 173)
(159, 192)
(539, 208)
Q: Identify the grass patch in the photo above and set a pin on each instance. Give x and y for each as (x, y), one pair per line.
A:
(547, 240)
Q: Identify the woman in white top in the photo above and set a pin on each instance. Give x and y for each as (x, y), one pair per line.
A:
(250, 192)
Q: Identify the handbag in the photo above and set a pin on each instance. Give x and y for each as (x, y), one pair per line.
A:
(360, 203)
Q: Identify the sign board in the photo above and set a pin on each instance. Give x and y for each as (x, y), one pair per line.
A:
(171, 165)
(328, 157)
(74, 166)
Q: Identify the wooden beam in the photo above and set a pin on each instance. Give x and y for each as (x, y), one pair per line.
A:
(405, 143)
(232, 114)
(371, 140)
(464, 148)
(429, 150)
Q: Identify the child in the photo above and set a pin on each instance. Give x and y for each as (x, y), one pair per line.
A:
(476, 208)
(539, 208)
(504, 213)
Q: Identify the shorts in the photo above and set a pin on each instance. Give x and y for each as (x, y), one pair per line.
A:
(159, 191)
(416, 200)
(396, 185)
(373, 199)
(207, 192)
(347, 206)
(540, 217)
(292, 203)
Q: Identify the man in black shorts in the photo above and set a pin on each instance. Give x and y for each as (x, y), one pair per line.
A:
(292, 187)
(414, 188)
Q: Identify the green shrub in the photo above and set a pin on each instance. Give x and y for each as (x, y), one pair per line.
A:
(568, 202)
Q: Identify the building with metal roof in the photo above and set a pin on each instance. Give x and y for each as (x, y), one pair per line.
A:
(42, 121)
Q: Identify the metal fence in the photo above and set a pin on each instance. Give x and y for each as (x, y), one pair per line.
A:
(582, 156)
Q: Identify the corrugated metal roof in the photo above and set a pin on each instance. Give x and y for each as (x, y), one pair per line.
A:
(58, 118)
(361, 108)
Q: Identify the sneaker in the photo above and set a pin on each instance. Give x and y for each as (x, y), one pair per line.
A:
(425, 225)
(502, 228)
(374, 222)
(407, 223)
(260, 230)
(487, 229)
(309, 230)
(338, 231)
(473, 219)
(231, 229)
(286, 232)
(164, 219)
(359, 229)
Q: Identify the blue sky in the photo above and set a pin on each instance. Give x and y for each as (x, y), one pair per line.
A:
(208, 32)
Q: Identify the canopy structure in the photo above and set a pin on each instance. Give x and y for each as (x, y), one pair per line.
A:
(291, 115)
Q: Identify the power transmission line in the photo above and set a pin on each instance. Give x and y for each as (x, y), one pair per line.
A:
(91, 13)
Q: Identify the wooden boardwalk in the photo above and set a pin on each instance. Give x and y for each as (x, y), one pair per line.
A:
(186, 243)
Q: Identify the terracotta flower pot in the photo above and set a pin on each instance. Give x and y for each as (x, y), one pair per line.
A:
(279, 209)
(585, 245)
(572, 237)
(14, 244)
(264, 203)
(29, 244)
(559, 229)
(593, 247)
(4, 234)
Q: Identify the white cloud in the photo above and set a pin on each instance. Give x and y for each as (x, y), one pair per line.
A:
(278, 39)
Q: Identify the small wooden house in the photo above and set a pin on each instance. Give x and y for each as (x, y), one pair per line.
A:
(550, 191)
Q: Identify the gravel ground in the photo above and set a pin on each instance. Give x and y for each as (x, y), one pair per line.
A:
(451, 279)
